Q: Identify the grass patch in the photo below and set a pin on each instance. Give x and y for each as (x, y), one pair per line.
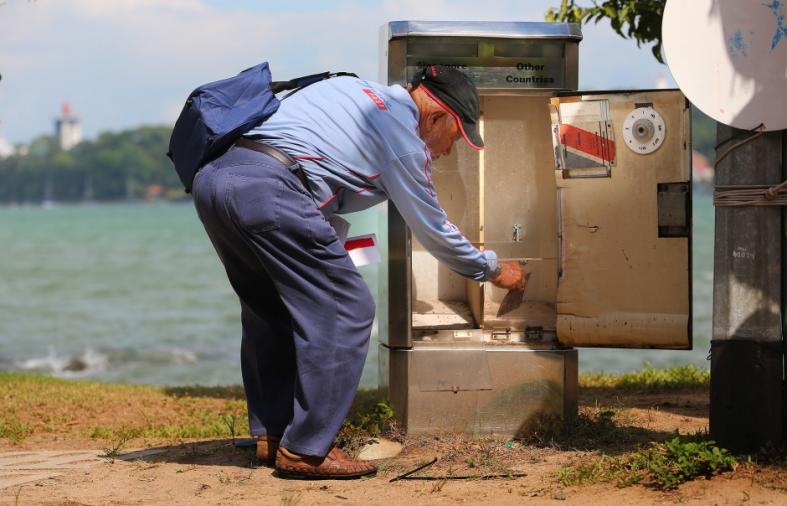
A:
(14, 430)
(663, 466)
(32, 405)
(650, 379)
(117, 414)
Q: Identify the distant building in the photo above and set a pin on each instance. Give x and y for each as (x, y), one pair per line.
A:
(702, 170)
(661, 82)
(68, 128)
(6, 149)
(154, 191)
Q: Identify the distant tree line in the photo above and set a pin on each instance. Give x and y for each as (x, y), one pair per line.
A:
(115, 166)
(125, 165)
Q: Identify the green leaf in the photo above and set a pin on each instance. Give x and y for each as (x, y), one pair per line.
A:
(631, 19)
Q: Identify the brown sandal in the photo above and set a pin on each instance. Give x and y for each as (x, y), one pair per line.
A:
(336, 465)
(266, 449)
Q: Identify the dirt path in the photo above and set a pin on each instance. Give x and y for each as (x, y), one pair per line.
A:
(216, 472)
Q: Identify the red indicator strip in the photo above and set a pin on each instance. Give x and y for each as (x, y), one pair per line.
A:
(586, 142)
(364, 242)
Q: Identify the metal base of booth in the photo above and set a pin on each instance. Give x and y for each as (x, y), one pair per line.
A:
(497, 389)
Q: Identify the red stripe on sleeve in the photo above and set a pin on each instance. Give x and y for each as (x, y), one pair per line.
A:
(429, 186)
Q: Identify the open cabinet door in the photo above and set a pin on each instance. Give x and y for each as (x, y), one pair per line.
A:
(623, 177)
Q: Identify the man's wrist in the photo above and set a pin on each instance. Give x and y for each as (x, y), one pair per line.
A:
(492, 265)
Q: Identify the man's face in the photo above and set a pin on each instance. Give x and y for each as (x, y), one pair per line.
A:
(440, 133)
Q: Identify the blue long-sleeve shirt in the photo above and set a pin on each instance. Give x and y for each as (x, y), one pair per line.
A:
(358, 144)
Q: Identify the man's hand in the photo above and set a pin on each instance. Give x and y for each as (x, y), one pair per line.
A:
(511, 276)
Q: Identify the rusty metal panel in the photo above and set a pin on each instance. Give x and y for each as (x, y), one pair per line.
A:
(623, 283)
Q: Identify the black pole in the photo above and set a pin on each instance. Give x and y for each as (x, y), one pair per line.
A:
(784, 293)
(747, 349)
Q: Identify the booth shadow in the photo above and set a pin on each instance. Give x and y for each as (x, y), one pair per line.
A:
(602, 431)
(683, 402)
(215, 452)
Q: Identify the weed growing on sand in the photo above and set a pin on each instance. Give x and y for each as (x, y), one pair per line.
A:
(662, 466)
(437, 486)
(224, 478)
(370, 416)
(291, 500)
(122, 436)
(14, 430)
(231, 421)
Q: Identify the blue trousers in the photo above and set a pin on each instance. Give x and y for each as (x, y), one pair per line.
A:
(305, 310)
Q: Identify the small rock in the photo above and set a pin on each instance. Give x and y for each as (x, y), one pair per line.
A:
(76, 364)
(559, 495)
(380, 448)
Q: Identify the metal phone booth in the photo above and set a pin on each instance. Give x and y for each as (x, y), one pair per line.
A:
(592, 190)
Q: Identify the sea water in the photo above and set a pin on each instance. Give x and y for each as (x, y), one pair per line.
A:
(135, 293)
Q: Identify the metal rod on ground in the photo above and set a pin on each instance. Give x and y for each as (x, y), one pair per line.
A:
(747, 349)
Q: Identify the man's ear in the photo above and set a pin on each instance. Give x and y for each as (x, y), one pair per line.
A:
(438, 115)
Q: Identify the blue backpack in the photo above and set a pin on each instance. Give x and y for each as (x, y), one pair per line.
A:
(217, 114)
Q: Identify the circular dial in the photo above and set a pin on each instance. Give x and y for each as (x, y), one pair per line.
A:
(644, 130)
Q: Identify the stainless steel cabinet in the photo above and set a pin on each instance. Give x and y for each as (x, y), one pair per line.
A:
(591, 190)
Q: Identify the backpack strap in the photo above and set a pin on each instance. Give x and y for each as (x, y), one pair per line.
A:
(302, 82)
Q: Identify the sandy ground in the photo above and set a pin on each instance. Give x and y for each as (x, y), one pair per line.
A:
(216, 472)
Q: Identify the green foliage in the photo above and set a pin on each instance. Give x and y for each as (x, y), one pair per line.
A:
(631, 19)
(663, 466)
(370, 416)
(670, 464)
(115, 166)
(650, 379)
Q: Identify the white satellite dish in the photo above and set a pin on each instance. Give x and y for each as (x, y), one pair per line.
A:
(729, 57)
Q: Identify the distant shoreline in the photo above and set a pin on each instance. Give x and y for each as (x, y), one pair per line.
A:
(96, 203)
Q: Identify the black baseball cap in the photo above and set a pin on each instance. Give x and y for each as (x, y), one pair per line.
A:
(457, 94)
